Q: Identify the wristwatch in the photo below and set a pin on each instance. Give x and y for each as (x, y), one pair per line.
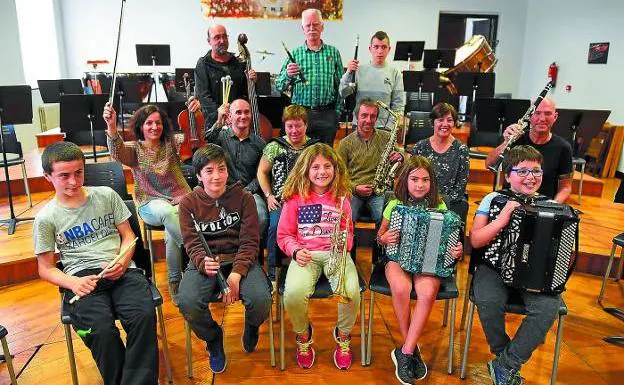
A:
(267, 195)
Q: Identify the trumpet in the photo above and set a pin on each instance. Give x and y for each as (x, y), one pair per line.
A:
(524, 123)
(337, 264)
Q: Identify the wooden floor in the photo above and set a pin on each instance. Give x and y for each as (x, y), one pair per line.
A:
(30, 311)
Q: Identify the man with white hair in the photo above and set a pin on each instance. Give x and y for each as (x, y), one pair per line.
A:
(314, 78)
(217, 63)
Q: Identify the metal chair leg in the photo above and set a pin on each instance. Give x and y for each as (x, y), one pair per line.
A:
(150, 248)
(26, 187)
(281, 318)
(70, 354)
(446, 311)
(452, 335)
(618, 275)
(607, 273)
(580, 191)
(369, 338)
(553, 377)
(9, 361)
(163, 333)
(362, 332)
(189, 350)
(462, 323)
(271, 342)
(464, 361)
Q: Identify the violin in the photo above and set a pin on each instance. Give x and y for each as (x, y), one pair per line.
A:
(260, 124)
(192, 125)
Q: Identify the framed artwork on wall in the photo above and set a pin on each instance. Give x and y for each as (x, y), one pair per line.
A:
(598, 53)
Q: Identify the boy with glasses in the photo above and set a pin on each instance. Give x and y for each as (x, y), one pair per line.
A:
(523, 171)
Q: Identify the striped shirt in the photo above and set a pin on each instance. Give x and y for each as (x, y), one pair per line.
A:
(157, 172)
(322, 70)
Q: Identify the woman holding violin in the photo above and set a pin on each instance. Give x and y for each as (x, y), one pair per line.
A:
(159, 183)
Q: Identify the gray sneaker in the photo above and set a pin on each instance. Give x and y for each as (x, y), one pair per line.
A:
(174, 287)
(403, 365)
(419, 368)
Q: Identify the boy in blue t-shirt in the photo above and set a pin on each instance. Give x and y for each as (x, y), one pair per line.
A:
(523, 171)
(89, 226)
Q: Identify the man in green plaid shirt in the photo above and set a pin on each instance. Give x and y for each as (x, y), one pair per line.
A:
(321, 67)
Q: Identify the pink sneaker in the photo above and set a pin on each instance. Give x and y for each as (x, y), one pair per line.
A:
(343, 355)
(305, 353)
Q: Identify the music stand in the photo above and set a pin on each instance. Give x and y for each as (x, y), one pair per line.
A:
(476, 85)
(408, 51)
(589, 127)
(15, 108)
(179, 78)
(263, 84)
(439, 58)
(153, 55)
(51, 90)
(566, 125)
(83, 113)
(493, 115)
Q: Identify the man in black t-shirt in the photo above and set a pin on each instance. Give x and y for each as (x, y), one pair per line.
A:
(557, 153)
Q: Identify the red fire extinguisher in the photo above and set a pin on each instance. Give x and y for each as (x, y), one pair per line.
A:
(553, 70)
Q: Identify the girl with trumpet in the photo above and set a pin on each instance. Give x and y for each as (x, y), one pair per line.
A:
(316, 199)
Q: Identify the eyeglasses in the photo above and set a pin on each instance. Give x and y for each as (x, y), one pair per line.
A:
(524, 172)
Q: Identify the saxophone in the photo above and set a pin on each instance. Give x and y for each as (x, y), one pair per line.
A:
(337, 263)
(384, 174)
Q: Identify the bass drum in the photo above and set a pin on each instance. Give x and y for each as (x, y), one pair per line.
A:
(475, 55)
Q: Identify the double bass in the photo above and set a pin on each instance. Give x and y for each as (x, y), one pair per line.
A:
(260, 124)
(192, 125)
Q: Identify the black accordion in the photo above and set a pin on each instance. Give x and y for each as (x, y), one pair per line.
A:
(536, 250)
(284, 163)
(426, 238)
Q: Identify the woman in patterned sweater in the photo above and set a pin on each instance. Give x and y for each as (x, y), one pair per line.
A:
(159, 184)
(449, 157)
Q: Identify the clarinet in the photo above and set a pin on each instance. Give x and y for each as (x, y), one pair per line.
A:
(352, 75)
(302, 78)
(224, 288)
(524, 123)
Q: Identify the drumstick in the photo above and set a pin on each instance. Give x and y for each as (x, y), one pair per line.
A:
(110, 264)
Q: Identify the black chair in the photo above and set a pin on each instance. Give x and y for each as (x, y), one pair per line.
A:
(109, 174)
(83, 138)
(322, 290)
(514, 305)
(419, 127)
(618, 240)
(141, 260)
(15, 156)
(414, 103)
(7, 355)
(378, 283)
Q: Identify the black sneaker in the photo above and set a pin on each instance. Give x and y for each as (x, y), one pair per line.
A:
(419, 368)
(250, 338)
(403, 365)
(217, 354)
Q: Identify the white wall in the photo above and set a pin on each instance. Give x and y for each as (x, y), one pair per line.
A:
(90, 30)
(11, 67)
(560, 31)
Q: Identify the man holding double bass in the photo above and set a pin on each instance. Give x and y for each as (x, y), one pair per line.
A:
(217, 63)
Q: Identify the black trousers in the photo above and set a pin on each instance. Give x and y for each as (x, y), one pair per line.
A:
(322, 125)
(93, 318)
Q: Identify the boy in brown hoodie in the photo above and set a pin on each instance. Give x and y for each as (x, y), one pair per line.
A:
(227, 217)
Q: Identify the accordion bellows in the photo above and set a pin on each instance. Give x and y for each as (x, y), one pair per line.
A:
(426, 238)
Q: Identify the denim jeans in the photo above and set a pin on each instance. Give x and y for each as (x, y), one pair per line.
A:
(158, 212)
(490, 295)
(274, 217)
(375, 204)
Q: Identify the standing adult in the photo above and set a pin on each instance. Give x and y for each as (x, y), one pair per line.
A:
(449, 157)
(361, 151)
(278, 159)
(376, 80)
(557, 153)
(321, 66)
(244, 149)
(217, 63)
(159, 183)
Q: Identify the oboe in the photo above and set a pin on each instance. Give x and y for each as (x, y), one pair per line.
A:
(524, 123)
(302, 78)
(352, 75)
(221, 281)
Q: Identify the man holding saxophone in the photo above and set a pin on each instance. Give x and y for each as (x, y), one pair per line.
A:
(557, 153)
(362, 153)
